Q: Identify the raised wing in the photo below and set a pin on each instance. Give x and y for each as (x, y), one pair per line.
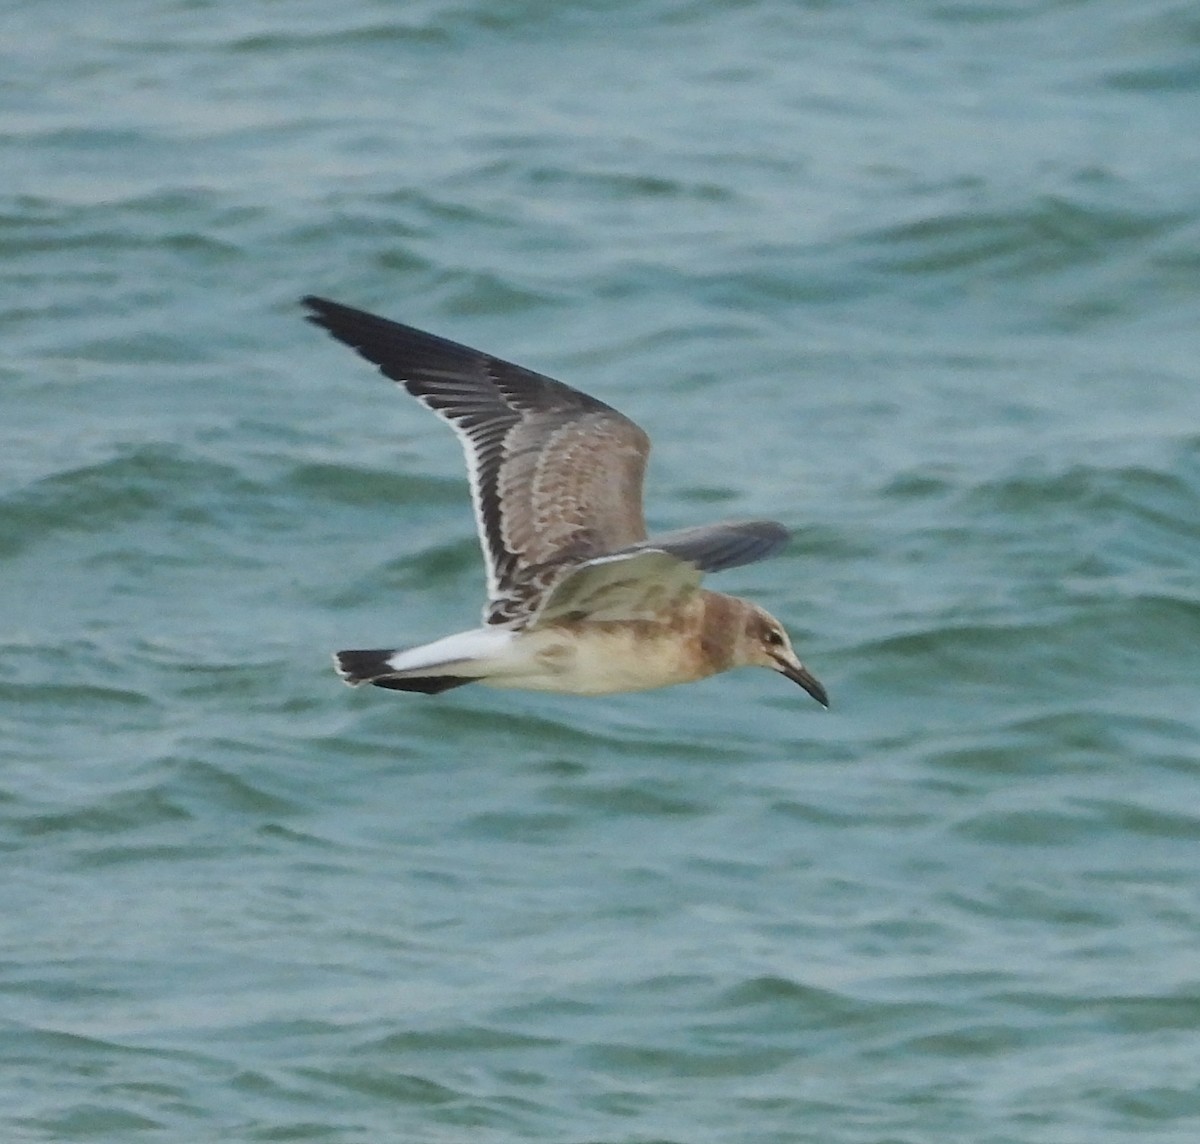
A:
(556, 476)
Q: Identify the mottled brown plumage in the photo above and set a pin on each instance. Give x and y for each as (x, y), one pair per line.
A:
(579, 599)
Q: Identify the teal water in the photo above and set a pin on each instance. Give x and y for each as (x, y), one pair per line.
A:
(921, 280)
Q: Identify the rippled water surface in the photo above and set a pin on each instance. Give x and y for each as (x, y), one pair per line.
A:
(921, 280)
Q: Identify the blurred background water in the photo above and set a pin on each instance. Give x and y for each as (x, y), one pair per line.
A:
(921, 279)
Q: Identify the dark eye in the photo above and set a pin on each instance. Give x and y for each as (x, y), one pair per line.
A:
(775, 638)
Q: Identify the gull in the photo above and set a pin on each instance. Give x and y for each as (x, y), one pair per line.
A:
(579, 599)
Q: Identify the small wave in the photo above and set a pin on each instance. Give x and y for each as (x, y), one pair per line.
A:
(105, 814)
(639, 800)
(80, 697)
(531, 827)
(661, 1061)
(1066, 649)
(138, 482)
(1164, 494)
(1179, 76)
(355, 485)
(454, 1038)
(226, 789)
(1048, 233)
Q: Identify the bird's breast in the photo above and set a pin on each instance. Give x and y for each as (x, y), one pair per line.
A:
(601, 659)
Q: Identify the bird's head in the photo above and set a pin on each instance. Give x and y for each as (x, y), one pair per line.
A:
(764, 643)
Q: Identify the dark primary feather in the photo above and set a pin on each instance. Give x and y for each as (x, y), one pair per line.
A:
(464, 384)
(715, 547)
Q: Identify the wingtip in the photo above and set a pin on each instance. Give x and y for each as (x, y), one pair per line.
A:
(318, 308)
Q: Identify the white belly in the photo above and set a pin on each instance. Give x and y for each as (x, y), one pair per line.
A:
(598, 662)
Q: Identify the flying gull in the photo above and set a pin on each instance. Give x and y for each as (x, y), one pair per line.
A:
(579, 599)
